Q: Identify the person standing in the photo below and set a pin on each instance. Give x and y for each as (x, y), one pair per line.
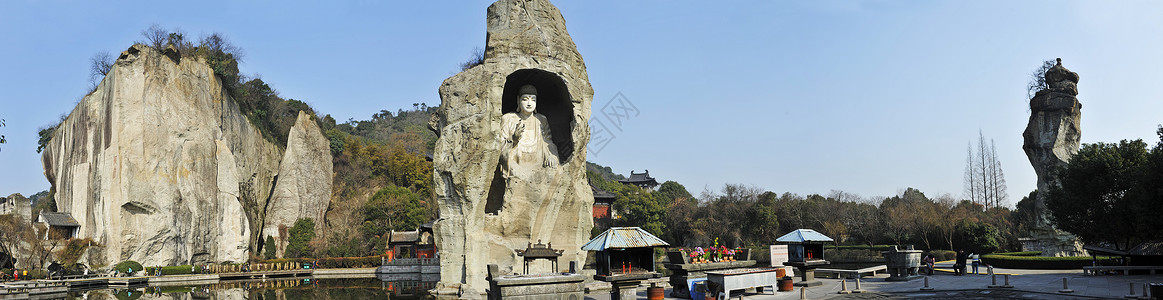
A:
(959, 267)
(976, 261)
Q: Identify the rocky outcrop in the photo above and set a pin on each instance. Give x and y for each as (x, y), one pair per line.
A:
(484, 213)
(1052, 137)
(158, 165)
(299, 192)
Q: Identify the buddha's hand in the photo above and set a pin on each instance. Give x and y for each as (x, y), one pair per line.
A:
(517, 132)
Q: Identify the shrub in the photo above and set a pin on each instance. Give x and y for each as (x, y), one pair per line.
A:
(1040, 262)
(35, 274)
(174, 270)
(863, 247)
(300, 234)
(1023, 253)
(269, 248)
(126, 266)
(73, 250)
(477, 58)
(351, 262)
(852, 255)
(943, 255)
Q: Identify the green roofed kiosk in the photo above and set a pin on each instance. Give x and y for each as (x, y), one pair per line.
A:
(806, 253)
(624, 258)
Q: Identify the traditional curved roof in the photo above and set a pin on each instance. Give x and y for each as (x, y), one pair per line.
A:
(802, 236)
(622, 238)
(59, 219)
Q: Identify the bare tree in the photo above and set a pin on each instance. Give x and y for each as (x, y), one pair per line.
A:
(997, 179)
(100, 65)
(1038, 79)
(218, 43)
(972, 191)
(155, 36)
(2, 139)
(477, 58)
(985, 182)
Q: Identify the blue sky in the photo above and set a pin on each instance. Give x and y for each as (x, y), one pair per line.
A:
(867, 97)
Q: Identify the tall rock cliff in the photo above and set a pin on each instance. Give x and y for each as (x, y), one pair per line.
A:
(300, 193)
(484, 212)
(1051, 138)
(158, 165)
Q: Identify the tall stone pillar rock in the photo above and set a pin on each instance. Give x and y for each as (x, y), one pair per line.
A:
(490, 205)
(1051, 139)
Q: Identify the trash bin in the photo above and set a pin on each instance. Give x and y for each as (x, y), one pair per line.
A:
(698, 289)
(785, 284)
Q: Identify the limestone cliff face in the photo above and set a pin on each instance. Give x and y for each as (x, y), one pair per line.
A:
(484, 214)
(300, 193)
(159, 166)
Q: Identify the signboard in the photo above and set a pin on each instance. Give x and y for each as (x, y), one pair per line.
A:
(779, 255)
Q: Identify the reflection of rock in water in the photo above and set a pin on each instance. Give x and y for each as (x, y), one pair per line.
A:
(274, 289)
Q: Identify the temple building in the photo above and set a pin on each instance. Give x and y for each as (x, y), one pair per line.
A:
(61, 226)
(417, 243)
(603, 208)
(642, 180)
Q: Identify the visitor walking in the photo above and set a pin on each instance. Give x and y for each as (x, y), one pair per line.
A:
(959, 266)
(976, 261)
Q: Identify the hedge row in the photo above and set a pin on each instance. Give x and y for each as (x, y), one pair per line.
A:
(128, 267)
(335, 262)
(1040, 262)
(6, 274)
(862, 247)
(1024, 253)
(174, 270)
(943, 255)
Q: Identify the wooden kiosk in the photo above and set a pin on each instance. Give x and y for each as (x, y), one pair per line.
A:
(625, 258)
(805, 253)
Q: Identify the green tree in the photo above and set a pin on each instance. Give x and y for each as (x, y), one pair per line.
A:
(269, 248)
(641, 209)
(764, 220)
(301, 234)
(979, 237)
(1106, 194)
(392, 208)
(670, 191)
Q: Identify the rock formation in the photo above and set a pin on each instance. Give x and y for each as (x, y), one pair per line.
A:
(158, 165)
(1051, 139)
(484, 213)
(299, 192)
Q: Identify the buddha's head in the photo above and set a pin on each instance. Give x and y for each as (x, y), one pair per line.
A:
(527, 99)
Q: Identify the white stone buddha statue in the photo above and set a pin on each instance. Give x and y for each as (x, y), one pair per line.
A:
(526, 140)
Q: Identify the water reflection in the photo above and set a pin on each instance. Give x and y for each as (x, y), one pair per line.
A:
(271, 289)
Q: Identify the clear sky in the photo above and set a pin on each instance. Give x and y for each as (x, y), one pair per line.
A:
(867, 97)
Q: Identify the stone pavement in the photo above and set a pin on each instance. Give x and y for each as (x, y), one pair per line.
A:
(1028, 284)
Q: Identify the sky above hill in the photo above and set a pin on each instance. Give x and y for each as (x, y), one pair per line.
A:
(867, 97)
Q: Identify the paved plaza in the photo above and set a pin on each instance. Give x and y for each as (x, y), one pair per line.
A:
(1027, 284)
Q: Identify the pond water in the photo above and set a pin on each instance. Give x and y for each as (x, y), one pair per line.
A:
(281, 289)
